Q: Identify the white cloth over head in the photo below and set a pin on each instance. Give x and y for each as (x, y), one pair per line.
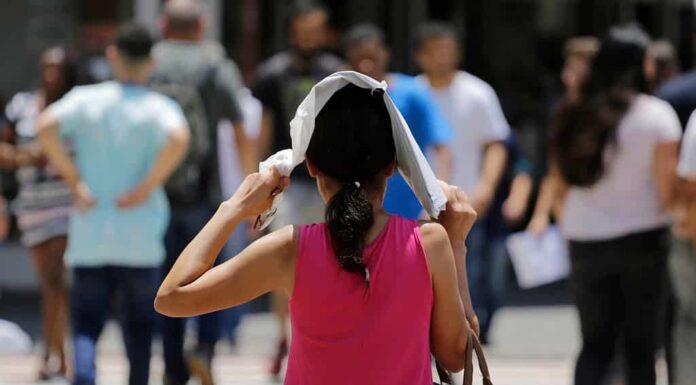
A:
(410, 160)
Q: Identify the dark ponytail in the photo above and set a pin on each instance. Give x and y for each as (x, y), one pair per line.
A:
(349, 217)
(584, 129)
(352, 143)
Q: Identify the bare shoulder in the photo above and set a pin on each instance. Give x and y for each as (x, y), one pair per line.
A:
(284, 240)
(437, 246)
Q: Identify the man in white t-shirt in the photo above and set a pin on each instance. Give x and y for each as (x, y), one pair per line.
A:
(479, 154)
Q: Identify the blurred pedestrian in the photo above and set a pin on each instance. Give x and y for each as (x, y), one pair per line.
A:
(127, 141)
(680, 92)
(479, 152)
(197, 74)
(616, 149)
(662, 65)
(579, 53)
(367, 52)
(231, 176)
(282, 82)
(683, 263)
(43, 202)
(372, 293)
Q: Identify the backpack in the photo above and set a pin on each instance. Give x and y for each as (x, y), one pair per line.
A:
(185, 185)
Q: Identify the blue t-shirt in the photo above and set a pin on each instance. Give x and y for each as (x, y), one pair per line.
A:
(428, 126)
(117, 131)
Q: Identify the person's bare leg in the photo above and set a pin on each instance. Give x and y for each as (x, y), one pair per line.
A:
(279, 304)
(48, 262)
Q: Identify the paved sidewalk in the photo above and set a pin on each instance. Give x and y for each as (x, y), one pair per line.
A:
(530, 346)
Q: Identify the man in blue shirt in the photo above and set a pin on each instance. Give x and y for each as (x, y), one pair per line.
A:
(367, 53)
(127, 141)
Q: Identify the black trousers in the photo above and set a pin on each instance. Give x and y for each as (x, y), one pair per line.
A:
(619, 286)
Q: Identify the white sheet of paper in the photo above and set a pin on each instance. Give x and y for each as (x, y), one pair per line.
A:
(538, 260)
(410, 160)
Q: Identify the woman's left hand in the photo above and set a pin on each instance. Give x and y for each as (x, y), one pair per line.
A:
(255, 195)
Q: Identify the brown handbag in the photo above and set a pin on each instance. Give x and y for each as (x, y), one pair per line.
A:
(473, 345)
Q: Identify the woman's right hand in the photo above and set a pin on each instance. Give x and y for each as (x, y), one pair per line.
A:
(459, 215)
(256, 193)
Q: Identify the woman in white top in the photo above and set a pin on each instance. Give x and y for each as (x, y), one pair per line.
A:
(616, 150)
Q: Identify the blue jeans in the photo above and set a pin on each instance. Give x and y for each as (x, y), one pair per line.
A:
(92, 291)
(185, 223)
(487, 264)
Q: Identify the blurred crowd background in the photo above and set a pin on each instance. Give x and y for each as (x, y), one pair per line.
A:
(517, 46)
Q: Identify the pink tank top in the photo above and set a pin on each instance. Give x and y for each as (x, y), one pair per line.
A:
(346, 333)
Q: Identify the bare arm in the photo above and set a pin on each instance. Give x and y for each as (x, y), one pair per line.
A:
(665, 161)
(551, 187)
(458, 218)
(266, 135)
(57, 154)
(447, 261)
(8, 156)
(246, 149)
(449, 330)
(443, 161)
(515, 205)
(52, 145)
(459, 252)
(168, 158)
(492, 169)
(193, 287)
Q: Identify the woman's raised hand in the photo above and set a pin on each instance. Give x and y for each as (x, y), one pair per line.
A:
(459, 216)
(255, 194)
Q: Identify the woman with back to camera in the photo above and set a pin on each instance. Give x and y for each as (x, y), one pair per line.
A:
(43, 202)
(371, 293)
(616, 150)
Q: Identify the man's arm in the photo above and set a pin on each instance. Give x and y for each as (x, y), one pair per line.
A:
(229, 83)
(169, 157)
(443, 161)
(246, 148)
(493, 166)
(265, 140)
(47, 134)
(57, 154)
(515, 204)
